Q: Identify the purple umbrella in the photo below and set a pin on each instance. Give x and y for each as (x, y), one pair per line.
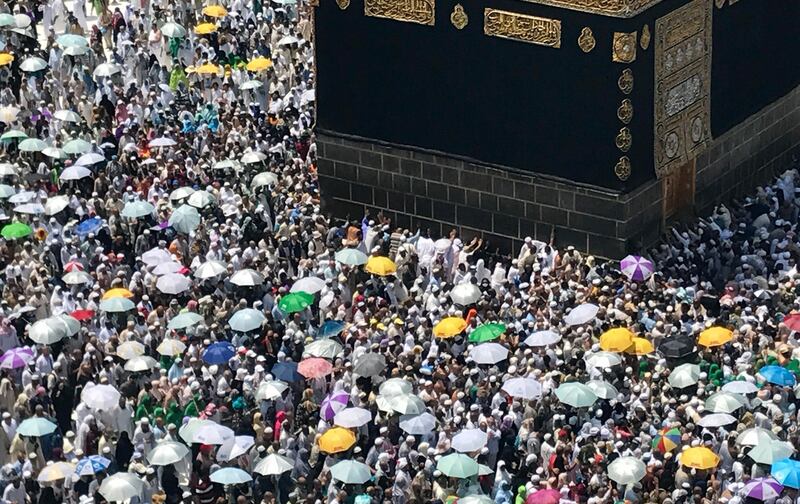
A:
(334, 403)
(762, 489)
(16, 358)
(636, 268)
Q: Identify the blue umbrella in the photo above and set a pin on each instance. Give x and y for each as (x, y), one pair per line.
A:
(219, 353)
(787, 472)
(330, 329)
(89, 226)
(778, 375)
(286, 371)
(36, 427)
(91, 465)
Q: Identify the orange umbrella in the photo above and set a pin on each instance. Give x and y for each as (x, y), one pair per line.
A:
(119, 292)
(337, 439)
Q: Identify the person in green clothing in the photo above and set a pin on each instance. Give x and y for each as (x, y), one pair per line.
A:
(194, 407)
(177, 76)
(145, 408)
(522, 493)
(174, 415)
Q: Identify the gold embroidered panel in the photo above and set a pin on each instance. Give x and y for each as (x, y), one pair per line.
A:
(682, 85)
(411, 11)
(532, 29)
(615, 8)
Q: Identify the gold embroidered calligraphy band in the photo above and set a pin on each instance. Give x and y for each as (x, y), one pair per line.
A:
(513, 26)
(410, 11)
(614, 8)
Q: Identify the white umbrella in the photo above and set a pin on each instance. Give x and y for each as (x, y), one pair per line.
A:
(47, 331)
(581, 314)
(542, 338)
(469, 440)
(270, 389)
(121, 486)
(724, 402)
(210, 269)
(288, 40)
(716, 420)
(308, 96)
(489, 353)
(22, 197)
(181, 193)
(395, 386)
(184, 219)
(405, 404)
(235, 447)
(325, 348)
(603, 360)
(251, 84)
(100, 397)
(130, 349)
(187, 430)
(626, 470)
(264, 179)
(8, 114)
(201, 199)
(77, 146)
(173, 30)
(33, 64)
(55, 204)
(77, 278)
(273, 465)
(30, 208)
(22, 20)
(55, 153)
(740, 387)
(247, 278)
(523, 388)
(107, 70)
(684, 375)
(67, 116)
(76, 50)
(312, 285)
(173, 283)
(162, 142)
(166, 268)
(771, 451)
(465, 293)
(352, 417)
(75, 173)
(171, 347)
(602, 389)
(755, 436)
(418, 425)
(246, 320)
(141, 363)
(156, 256)
(253, 157)
(212, 434)
(167, 453)
(90, 158)
(8, 170)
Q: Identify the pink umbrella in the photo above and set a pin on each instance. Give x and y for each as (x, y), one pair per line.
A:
(16, 358)
(636, 268)
(549, 496)
(73, 266)
(315, 367)
(334, 403)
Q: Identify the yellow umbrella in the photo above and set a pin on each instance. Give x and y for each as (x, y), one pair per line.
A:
(699, 457)
(205, 28)
(208, 68)
(381, 266)
(715, 336)
(449, 327)
(337, 439)
(6, 59)
(616, 340)
(259, 64)
(640, 346)
(119, 292)
(216, 11)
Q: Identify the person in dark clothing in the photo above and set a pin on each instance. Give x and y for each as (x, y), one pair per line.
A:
(124, 451)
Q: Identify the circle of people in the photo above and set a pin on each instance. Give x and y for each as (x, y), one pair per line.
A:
(181, 322)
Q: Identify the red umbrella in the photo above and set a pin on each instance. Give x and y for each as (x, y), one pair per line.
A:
(73, 266)
(82, 315)
(314, 367)
(792, 321)
(549, 496)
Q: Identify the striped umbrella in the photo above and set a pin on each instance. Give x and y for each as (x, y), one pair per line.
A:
(16, 358)
(636, 268)
(334, 403)
(762, 489)
(91, 465)
(667, 440)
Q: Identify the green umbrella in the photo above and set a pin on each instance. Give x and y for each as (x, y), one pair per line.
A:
(117, 305)
(77, 146)
(13, 135)
(16, 230)
(32, 145)
(487, 332)
(36, 427)
(137, 209)
(70, 40)
(185, 320)
(295, 302)
(352, 257)
(351, 472)
(184, 219)
(576, 395)
(457, 465)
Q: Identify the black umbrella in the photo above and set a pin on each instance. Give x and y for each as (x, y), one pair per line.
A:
(677, 347)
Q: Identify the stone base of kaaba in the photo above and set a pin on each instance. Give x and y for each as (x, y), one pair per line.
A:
(425, 189)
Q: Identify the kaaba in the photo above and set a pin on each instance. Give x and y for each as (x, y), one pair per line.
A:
(595, 123)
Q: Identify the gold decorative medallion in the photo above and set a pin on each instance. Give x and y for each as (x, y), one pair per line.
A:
(458, 17)
(719, 3)
(614, 8)
(623, 168)
(625, 111)
(531, 29)
(410, 11)
(682, 94)
(644, 41)
(625, 81)
(343, 4)
(624, 47)
(586, 40)
(624, 139)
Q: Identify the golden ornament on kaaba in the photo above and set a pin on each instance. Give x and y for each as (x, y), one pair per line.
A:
(624, 47)
(624, 139)
(625, 111)
(644, 41)
(586, 40)
(343, 4)
(458, 17)
(623, 168)
(625, 81)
